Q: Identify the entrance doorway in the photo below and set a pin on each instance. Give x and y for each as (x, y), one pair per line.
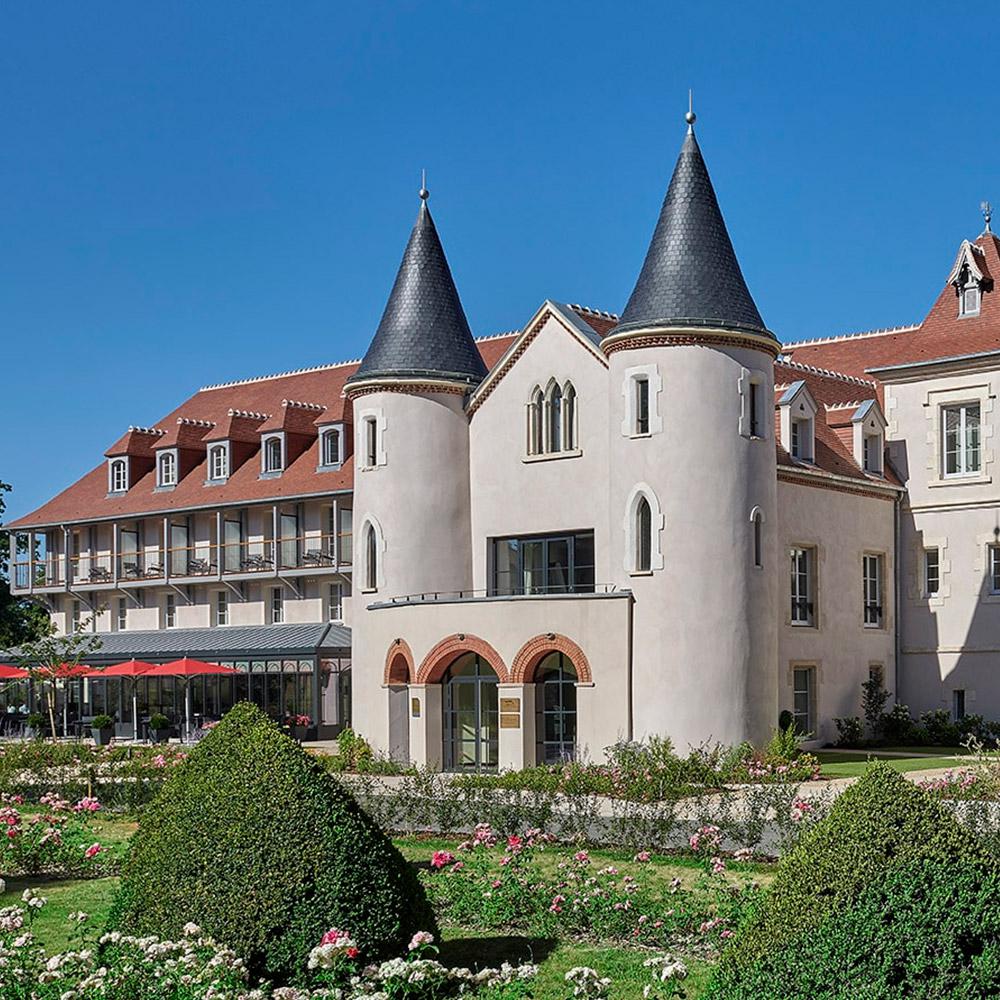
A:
(471, 716)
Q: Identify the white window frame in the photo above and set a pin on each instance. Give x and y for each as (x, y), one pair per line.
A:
(797, 415)
(629, 425)
(362, 450)
(873, 590)
(121, 618)
(630, 526)
(935, 551)
(118, 476)
(327, 434)
(170, 611)
(993, 567)
(753, 405)
(367, 577)
(535, 443)
(218, 461)
(221, 608)
(963, 469)
(963, 308)
(959, 704)
(335, 602)
(803, 436)
(76, 614)
(267, 468)
(276, 605)
(802, 607)
(166, 468)
(804, 684)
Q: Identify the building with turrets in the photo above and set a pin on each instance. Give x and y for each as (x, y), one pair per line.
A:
(487, 553)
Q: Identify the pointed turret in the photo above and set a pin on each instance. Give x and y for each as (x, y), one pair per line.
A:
(691, 277)
(423, 333)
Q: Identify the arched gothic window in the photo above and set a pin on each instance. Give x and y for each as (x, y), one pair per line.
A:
(757, 522)
(536, 410)
(643, 536)
(371, 557)
(554, 413)
(569, 417)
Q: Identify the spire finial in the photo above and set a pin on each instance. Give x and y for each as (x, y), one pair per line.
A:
(424, 193)
(690, 117)
(987, 210)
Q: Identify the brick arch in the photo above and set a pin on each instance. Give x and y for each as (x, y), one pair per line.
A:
(534, 650)
(437, 661)
(399, 667)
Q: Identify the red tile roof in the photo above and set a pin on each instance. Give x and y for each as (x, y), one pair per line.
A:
(942, 334)
(235, 409)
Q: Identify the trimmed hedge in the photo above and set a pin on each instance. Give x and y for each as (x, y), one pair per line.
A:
(880, 822)
(252, 840)
(930, 931)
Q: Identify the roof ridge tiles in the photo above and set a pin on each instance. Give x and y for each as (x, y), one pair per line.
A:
(266, 378)
(195, 422)
(587, 310)
(877, 332)
(247, 414)
(825, 372)
(158, 432)
(297, 404)
(498, 336)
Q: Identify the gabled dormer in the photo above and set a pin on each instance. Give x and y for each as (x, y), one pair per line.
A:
(797, 421)
(868, 425)
(230, 443)
(130, 458)
(286, 435)
(180, 450)
(334, 443)
(970, 277)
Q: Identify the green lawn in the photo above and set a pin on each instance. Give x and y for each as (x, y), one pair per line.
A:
(460, 946)
(853, 763)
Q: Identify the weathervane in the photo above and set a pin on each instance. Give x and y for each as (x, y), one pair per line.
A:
(987, 211)
(690, 116)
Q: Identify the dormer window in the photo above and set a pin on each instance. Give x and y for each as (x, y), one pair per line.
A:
(969, 300)
(329, 447)
(218, 462)
(118, 475)
(272, 454)
(802, 439)
(166, 469)
(872, 453)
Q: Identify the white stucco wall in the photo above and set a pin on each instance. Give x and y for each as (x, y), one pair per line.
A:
(841, 527)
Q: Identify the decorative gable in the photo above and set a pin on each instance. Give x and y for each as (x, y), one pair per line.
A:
(970, 277)
(797, 419)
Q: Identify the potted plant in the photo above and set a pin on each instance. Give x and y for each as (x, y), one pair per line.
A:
(159, 728)
(298, 726)
(35, 725)
(102, 727)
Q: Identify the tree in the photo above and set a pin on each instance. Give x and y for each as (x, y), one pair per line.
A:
(21, 619)
(51, 658)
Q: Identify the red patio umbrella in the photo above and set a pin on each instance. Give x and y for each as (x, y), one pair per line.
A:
(186, 668)
(9, 673)
(131, 670)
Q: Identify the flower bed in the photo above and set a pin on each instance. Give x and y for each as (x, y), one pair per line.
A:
(56, 840)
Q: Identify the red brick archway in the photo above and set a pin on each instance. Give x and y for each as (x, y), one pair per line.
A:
(399, 664)
(437, 661)
(535, 650)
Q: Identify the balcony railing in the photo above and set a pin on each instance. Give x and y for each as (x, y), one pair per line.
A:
(492, 594)
(47, 572)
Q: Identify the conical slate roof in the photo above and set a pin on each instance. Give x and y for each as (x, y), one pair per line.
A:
(691, 277)
(423, 332)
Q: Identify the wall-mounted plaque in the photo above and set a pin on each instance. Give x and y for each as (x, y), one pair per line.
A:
(510, 705)
(510, 720)
(415, 708)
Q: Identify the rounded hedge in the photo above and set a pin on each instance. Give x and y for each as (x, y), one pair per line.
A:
(881, 822)
(255, 842)
(927, 931)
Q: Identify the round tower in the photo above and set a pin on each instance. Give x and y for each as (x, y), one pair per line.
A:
(693, 478)
(411, 454)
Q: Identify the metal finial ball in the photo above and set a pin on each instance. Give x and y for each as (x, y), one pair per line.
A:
(424, 194)
(690, 118)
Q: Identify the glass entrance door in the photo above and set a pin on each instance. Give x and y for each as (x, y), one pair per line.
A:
(471, 716)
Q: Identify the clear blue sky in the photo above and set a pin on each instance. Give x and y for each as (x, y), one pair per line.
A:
(193, 192)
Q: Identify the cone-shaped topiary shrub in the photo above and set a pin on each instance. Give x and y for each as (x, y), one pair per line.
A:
(880, 824)
(252, 840)
(926, 931)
